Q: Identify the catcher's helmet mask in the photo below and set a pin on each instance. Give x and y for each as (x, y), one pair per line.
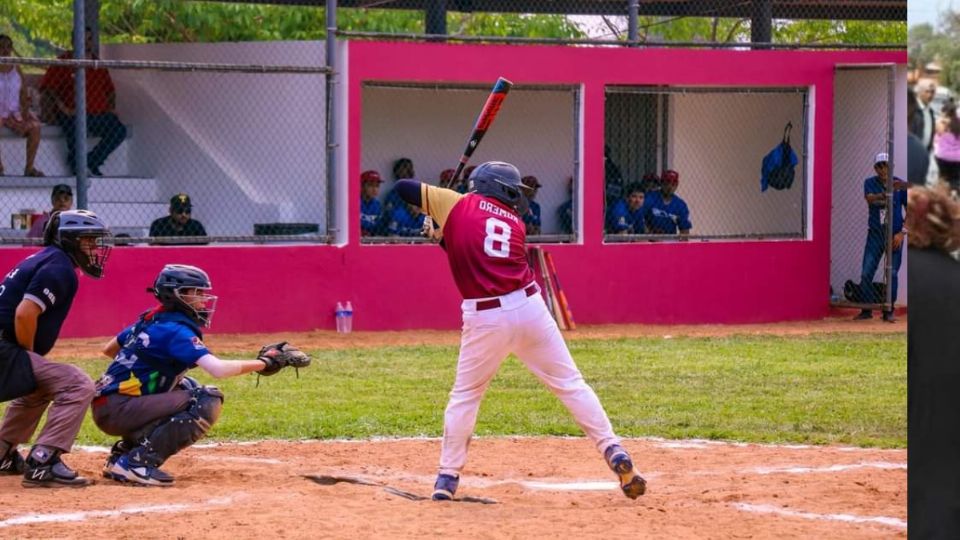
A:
(501, 181)
(169, 289)
(70, 230)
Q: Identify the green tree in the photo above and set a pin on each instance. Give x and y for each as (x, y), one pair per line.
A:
(164, 21)
(40, 26)
(927, 44)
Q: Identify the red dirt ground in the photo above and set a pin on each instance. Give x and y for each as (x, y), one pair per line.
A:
(695, 489)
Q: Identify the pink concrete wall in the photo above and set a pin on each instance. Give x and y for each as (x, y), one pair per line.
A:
(273, 289)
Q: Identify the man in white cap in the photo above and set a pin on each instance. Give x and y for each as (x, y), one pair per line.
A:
(875, 192)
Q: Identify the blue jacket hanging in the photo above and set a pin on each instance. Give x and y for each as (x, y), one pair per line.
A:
(779, 165)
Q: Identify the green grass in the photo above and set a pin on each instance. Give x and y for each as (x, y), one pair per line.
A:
(837, 389)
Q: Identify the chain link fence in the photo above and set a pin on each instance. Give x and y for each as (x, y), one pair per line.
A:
(862, 231)
(397, 144)
(182, 135)
(692, 163)
(176, 152)
(639, 23)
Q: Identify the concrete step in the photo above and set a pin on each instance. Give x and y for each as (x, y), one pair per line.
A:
(128, 201)
(102, 188)
(52, 153)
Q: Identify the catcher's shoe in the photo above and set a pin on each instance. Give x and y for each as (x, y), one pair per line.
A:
(126, 469)
(632, 484)
(119, 448)
(12, 462)
(43, 468)
(445, 487)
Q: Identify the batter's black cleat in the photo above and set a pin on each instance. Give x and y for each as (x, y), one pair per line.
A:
(43, 468)
(127, 469)
(445, 487)
(12, 462)
(632, 484)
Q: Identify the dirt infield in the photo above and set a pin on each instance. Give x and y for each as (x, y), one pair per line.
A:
(543, 487)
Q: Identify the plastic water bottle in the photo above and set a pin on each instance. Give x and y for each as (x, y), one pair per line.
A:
(341, 315)
(348, 318)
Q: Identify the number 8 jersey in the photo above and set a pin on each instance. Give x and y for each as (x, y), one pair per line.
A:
(484, 239)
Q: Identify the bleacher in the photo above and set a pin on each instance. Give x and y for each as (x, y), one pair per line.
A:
(120, 196)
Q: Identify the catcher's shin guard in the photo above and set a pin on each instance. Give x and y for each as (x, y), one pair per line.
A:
(632, 484)
(180, 430)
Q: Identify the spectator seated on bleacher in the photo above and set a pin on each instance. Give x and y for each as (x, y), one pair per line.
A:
(57, 87)
(15, 108)
(61, 199)
(179, 222)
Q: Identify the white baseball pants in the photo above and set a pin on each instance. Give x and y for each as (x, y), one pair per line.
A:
(523, 326)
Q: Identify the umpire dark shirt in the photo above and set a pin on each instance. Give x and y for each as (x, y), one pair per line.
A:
(933, 396)
(164, 227)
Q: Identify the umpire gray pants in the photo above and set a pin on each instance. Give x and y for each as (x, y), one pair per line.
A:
(133, 417)
(66, 389)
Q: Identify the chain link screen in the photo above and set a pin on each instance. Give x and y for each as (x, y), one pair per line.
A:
(699, 163)
(176, 153)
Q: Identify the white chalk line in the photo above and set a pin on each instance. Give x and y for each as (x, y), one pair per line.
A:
(693, 444)
(830, 468)
(65, 517)
(847, 518)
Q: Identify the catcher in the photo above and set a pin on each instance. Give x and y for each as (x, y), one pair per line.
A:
(145, 397)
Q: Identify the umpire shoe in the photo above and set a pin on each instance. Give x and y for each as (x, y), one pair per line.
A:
(12, 462)
(632, 484)
(44, 468)
(445, 487)
(864, 315)
(128, 469)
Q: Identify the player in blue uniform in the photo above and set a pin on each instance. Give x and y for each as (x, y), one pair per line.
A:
(144, 397)
(626, 216)
(406, 220)
(565, 210)
(35, 298)
(532, 218)
(664, 210)
(402, 170)
(371, 211)
(875, 193)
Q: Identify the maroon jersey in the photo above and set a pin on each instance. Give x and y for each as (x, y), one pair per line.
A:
(485, 242)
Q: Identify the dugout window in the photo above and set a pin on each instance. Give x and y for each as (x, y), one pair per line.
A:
(715, 139)
(428, 124)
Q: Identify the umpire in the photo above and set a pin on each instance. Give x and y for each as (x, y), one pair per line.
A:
(35, 298)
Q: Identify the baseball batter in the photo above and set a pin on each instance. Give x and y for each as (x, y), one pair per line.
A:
(503, 312)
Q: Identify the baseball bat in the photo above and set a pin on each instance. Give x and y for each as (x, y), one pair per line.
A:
(564, 305)
(487, 114)
(554, 303)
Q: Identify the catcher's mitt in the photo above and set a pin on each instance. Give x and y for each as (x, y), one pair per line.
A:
(277, 356)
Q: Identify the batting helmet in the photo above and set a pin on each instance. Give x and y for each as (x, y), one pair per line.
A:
(167, 288)
(501, 181)
(65, 230)
(670, 176)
